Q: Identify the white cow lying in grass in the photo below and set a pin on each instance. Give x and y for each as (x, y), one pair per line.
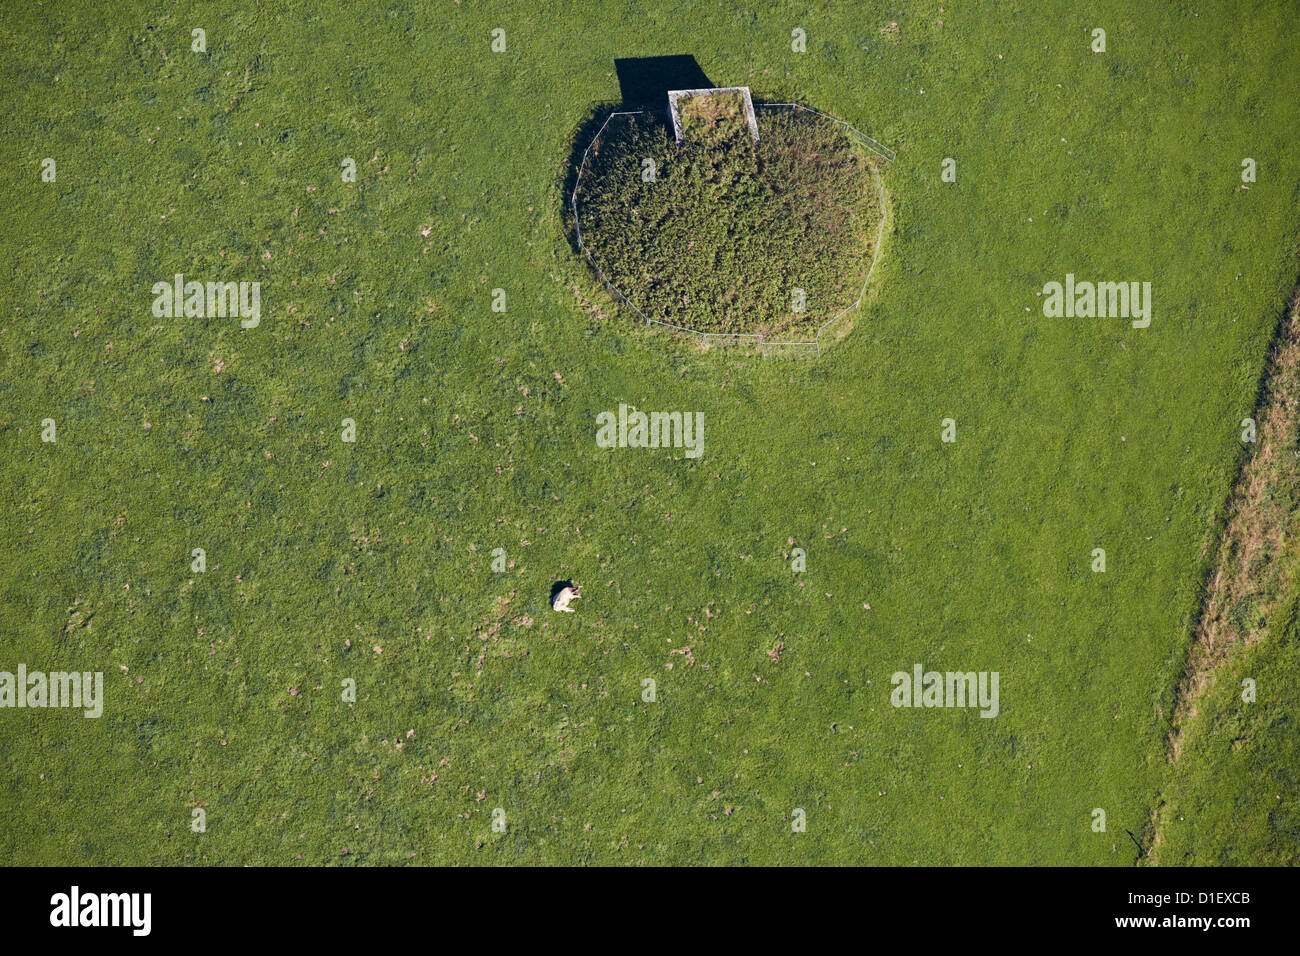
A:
(562, 599)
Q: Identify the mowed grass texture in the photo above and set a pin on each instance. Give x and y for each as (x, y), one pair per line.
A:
(371, 561)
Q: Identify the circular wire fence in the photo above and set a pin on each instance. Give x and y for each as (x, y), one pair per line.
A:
(784, 348)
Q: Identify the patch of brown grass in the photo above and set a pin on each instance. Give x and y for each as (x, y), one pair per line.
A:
(714, 108)
(1249, 580)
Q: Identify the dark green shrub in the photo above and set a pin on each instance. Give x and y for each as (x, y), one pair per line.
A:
(728, 228)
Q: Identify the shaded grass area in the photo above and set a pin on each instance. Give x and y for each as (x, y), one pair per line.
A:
(475, 431)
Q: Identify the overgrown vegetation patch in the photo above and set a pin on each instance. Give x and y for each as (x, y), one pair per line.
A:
(722, 234)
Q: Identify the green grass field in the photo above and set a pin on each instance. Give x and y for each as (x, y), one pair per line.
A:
(371, 561)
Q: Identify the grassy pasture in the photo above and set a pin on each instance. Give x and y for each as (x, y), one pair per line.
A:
(371, 561)
(1230, 799)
